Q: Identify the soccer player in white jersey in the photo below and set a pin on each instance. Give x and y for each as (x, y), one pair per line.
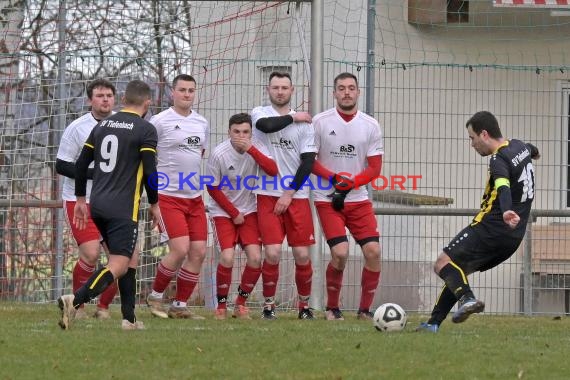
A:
(282, 201)
(350, 148)
(101, 99)
(182, 140)
(234, 211)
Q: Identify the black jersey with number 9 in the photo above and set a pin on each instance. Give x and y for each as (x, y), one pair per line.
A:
(117, 143)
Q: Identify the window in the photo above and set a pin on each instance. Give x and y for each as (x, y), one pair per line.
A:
(438, 11)
(457, 11)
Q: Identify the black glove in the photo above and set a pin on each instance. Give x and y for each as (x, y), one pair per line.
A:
(342, 186)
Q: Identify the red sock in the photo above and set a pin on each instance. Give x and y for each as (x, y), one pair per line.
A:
(81, 273)
(303, 279)
(163, 278)
(223, 282)
(106, 298)
(369, 283)
(270, 275)
(334, 285)
(185, 284)
(249, 278)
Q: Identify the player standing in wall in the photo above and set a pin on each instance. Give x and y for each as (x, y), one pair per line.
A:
(123, 147)
(350, 149)
(234, 211)
(182, 140)
(101, 98)
(283, 204)
(497, 230)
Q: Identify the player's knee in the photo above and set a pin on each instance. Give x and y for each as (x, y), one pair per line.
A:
(90, 256)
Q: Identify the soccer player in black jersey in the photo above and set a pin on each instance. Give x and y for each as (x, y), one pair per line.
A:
(497, 230)
(123, 147)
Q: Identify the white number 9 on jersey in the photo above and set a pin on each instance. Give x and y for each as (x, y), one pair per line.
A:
(109, 148)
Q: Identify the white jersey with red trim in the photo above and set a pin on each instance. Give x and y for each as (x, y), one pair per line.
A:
(286, 147)
(70, 147)
(235, 173)
(344, 147)
(181, 140)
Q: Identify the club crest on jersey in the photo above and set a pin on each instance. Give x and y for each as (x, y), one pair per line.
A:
(282, 143)
(193, 140)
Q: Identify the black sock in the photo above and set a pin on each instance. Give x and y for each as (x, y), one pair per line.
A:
(95, 285)
(442, 307)
(456, 280)
(128, 291)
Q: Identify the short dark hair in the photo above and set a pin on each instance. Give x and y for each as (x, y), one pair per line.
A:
(345, 75)
(99, 82)
(280, 74)
(240, 118)
(485, 120)
(136, 93)
(184, 77)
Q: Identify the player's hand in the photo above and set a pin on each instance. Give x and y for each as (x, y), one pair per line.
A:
(154, 215)
(341, 187)
(511, 218)
(242, 144)
(80, 214)
(283, 202)
(302, 117)
(239, 219)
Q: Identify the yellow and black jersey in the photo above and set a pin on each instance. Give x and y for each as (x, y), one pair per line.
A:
(511, 161)
(117, 144)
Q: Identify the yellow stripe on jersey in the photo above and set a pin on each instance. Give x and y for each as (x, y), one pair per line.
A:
(487, 207)
(98, 278)
(137, 197)
(149, 149)
(463, 277)
(89, 145)
(502, 182)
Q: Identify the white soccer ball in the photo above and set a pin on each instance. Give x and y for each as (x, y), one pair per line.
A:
(390, 317)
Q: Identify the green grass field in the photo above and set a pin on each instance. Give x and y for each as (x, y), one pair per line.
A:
(32, 346)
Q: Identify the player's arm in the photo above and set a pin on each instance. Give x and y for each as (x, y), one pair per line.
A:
(273, 124)
(267, 164)
(67, 169)
(150, 179)
(534, 153)
(303, 171)
(499, 170)
(80, 212)
(81, 167)
(372, 171)
(218, 195)
(148, 159)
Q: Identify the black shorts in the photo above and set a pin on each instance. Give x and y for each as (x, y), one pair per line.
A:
(475, 250)
(120, 235)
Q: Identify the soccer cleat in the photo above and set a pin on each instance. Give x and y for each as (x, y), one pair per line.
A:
(333, 314)
(364, 315)
(182, 312)
(126, 325)
(101, 313)
(81, 314)
(306, 313)
(65, 304)
(241, 312)
(156, 305)
(467, 306)
(221, 314)
(424, 326)
(268, 312)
